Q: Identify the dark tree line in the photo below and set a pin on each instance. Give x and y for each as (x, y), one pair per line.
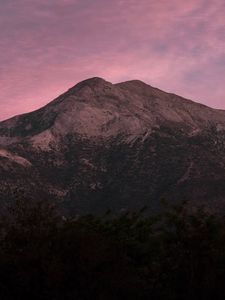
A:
(179, 254)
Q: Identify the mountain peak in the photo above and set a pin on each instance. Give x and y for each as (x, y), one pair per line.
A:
(91, 83)
(93, 80)
(137, 86)
(95, 107)
(134, 82)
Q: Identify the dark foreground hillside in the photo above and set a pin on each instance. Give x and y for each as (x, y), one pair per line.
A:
(178, 255)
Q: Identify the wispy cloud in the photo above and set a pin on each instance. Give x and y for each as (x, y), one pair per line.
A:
(48, 45)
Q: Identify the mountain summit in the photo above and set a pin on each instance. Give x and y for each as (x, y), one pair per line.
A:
(120, 146)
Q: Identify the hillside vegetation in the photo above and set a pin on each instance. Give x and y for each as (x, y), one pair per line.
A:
(179, 254)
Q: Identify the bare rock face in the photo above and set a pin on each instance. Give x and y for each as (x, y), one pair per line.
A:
(118, 146)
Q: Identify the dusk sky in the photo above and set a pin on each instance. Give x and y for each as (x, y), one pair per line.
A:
(47, 46)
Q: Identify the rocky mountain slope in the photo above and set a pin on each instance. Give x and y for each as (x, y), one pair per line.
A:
(118, 146)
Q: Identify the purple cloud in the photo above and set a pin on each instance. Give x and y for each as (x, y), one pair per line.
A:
(49, 45)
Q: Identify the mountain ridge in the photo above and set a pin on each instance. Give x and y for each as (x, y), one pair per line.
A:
(120, 84)
(96, 89)
(102, 145)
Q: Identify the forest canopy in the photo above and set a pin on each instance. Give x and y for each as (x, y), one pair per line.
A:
(178, 254)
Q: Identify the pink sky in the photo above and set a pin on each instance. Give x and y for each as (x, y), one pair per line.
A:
(47, 46)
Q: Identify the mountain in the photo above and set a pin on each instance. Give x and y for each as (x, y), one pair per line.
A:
(119, 146)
